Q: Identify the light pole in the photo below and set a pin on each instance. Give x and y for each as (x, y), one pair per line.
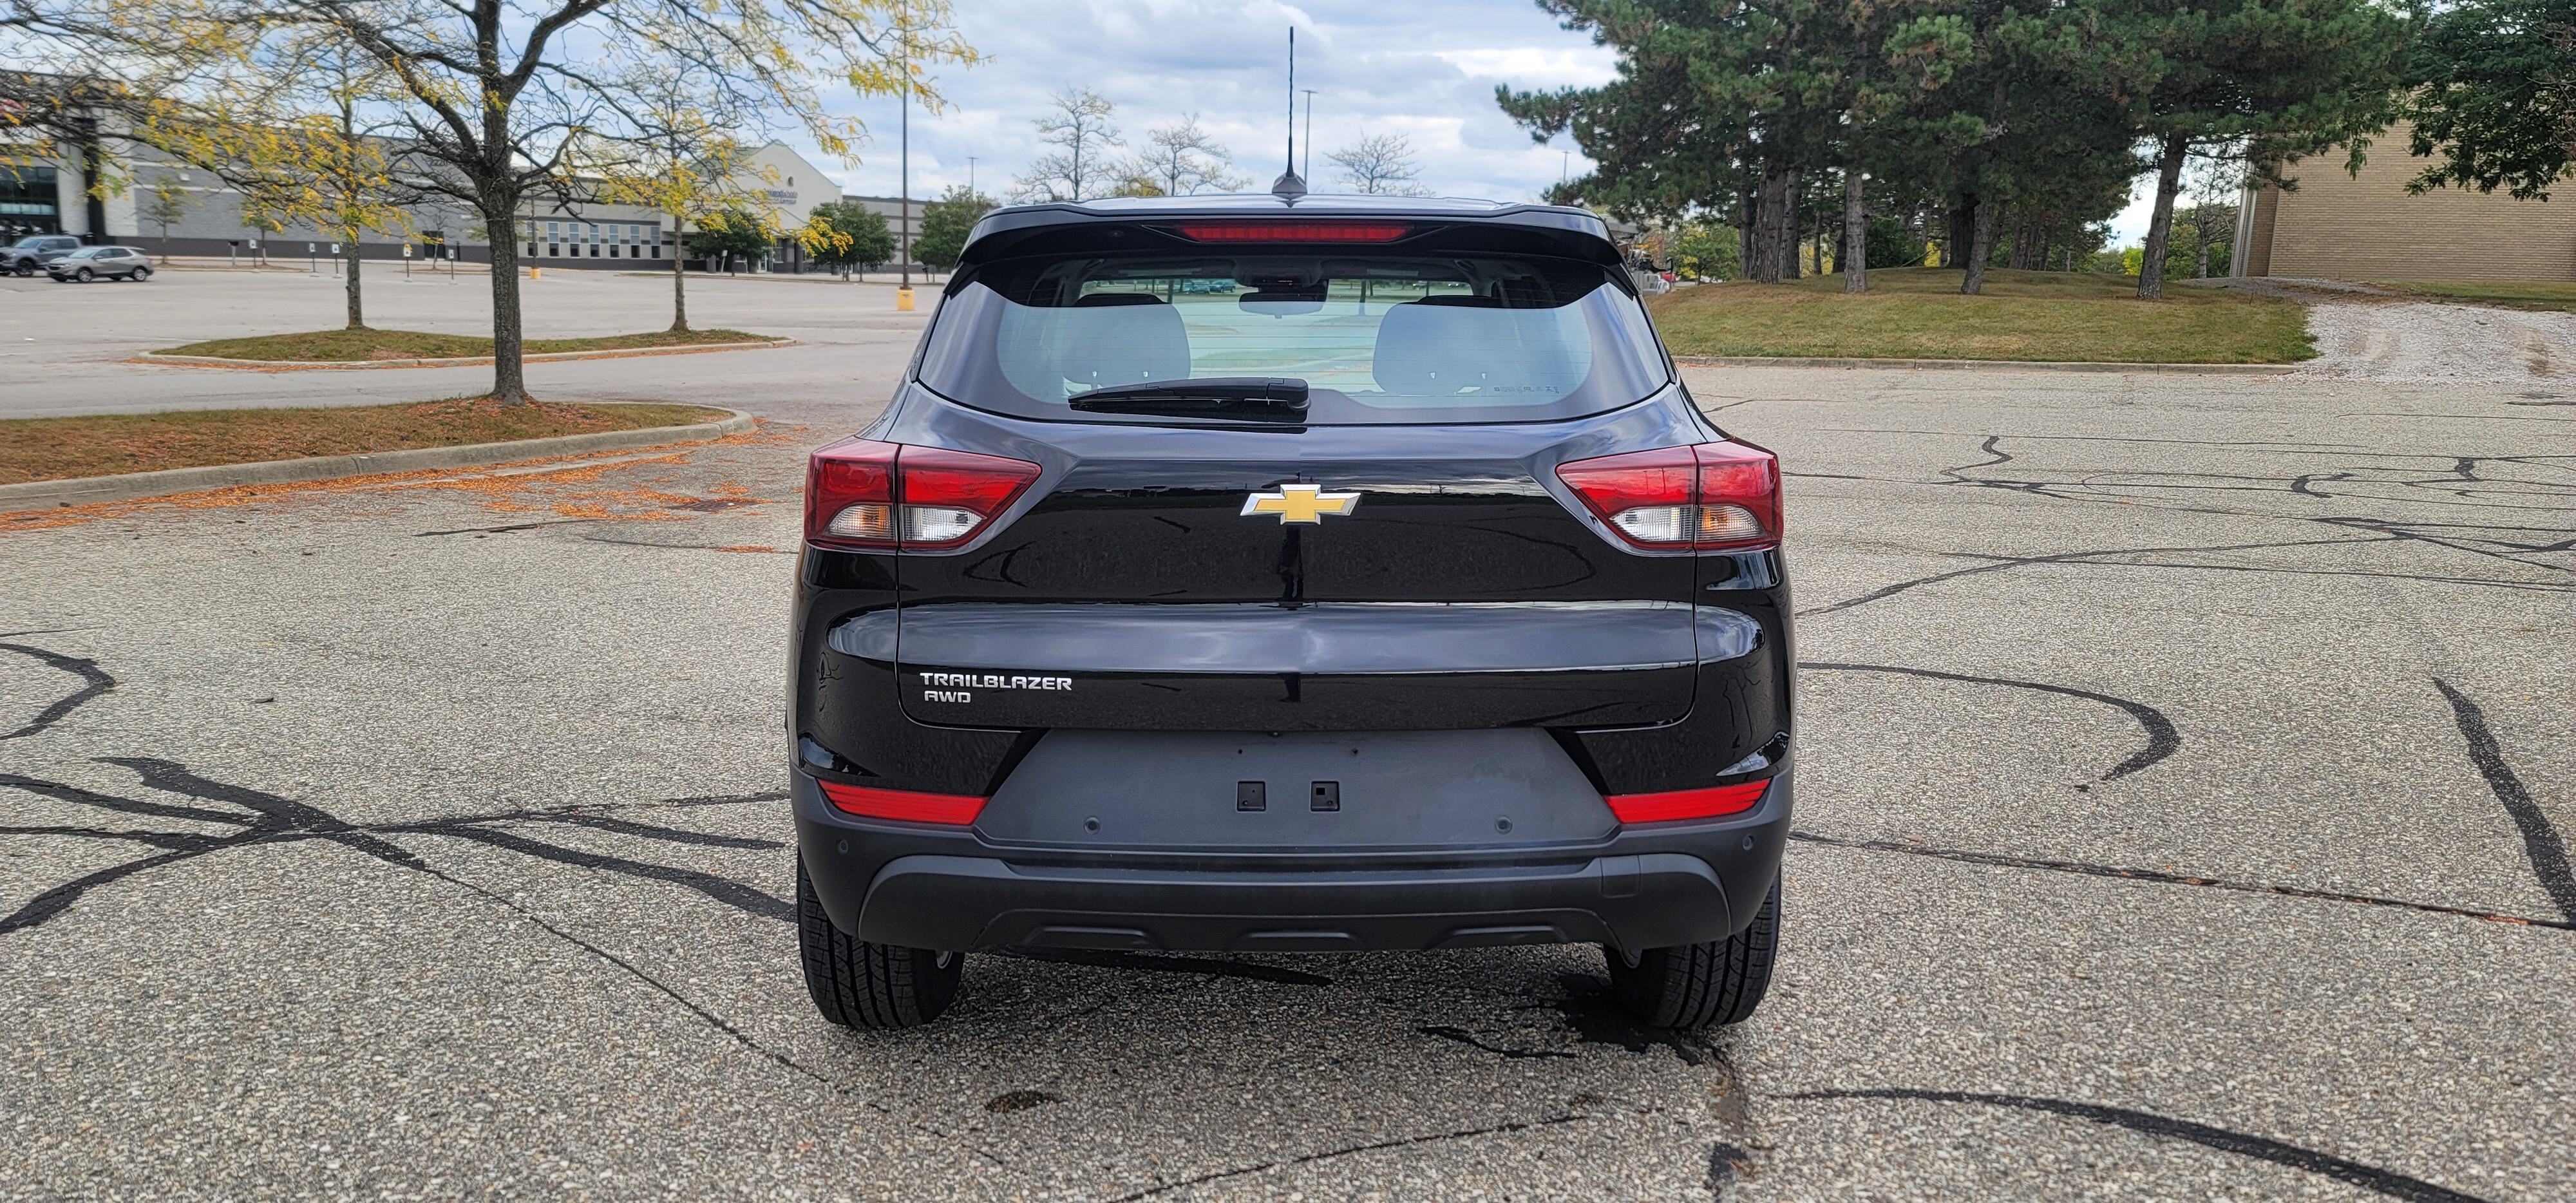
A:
(903, 251)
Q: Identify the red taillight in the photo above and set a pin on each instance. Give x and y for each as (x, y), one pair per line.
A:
(1293, 231)
(862, 493)
(1709, 496)
(1687, 803)
(955, 810)
(1742, 478)
(849, 494)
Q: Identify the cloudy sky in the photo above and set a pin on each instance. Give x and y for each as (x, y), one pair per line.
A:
(1422, 68)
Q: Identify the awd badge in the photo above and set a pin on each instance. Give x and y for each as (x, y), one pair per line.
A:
(1300, 503)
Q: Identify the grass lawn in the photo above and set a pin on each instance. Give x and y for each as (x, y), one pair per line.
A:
(354, 346)
(1917, 313)
(2559, 295)
(107, 444)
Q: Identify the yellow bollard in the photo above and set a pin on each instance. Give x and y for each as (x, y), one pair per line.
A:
(536, 273)
(903, 300)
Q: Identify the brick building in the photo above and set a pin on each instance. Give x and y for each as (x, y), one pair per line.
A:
(2338, 227)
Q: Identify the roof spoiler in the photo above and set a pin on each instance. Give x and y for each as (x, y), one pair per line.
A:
(1075, 228)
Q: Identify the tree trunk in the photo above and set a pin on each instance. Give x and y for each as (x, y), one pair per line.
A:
(2151, 265)
(1748, 234)
(357, 314)
(1769, 215)
(679, 288)
(1981, 245)
(1963, 230)
(1855, 234)
(2200, 234)
(2029, 244)
(1775, 234)
(1790, 226)
(1815, 246)
(509, 375)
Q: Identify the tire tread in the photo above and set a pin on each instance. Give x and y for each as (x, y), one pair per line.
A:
(860, 984)
(1700, 985)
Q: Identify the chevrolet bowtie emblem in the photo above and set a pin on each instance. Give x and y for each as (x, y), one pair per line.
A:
(1300, 503)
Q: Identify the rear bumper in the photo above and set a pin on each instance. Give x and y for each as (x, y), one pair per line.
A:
(1647, 886)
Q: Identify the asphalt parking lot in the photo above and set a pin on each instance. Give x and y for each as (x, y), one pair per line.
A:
(2186, 770)
(63, 347)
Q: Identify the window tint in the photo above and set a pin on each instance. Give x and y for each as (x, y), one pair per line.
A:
(1377, 339)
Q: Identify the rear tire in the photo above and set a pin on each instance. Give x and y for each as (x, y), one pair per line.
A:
(1699, 985)
(141, 274)
(862, 985)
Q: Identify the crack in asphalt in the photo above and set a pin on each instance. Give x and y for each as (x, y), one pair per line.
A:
(2457, 469)
(2162, 739)
(2005, 562)
(1465, 1037)
(714, 1020)
(2163, 877)
(2541, 843)
(503, 530)
(95, 682)
(1349, 1150)
(281, 820)
(722, 889)
(2354, 1173)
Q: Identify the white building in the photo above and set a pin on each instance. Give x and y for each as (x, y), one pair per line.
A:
(559, 232)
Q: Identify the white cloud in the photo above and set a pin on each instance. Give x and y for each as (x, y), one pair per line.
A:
(1581, 65)
(1426, 69)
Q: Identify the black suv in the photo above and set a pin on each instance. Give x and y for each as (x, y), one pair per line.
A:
(1238, 574)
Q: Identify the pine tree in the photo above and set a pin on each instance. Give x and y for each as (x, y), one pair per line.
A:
(2282, 78)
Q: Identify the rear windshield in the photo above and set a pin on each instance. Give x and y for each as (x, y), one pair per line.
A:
(1377, 339)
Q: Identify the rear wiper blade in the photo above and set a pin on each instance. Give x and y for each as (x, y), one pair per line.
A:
(1248, 398)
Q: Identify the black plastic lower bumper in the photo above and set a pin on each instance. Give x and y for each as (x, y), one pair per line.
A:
(1651, 901)
(1649, 886)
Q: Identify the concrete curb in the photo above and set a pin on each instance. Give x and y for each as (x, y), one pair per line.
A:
(289, 365)
(54, 494)
(1984, 365)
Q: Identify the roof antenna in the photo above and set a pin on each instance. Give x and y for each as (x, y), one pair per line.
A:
(1289, 186)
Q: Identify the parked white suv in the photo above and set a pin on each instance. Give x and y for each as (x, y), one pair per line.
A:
(101, 262)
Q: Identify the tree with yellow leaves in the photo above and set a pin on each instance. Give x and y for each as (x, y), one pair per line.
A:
(286, 129)
(492, 103)
(684, 148)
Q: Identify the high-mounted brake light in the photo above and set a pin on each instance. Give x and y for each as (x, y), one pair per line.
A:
(1710, 497)
(868, 802)
(862, 493)
(1687, 803)
(1293, 231)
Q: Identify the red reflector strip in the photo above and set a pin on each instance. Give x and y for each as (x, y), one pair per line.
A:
(1687, 803)
(1292, 231)
(955, 810)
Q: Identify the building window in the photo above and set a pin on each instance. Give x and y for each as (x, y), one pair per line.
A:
(29, 203)
(554, 239)
(592, 237)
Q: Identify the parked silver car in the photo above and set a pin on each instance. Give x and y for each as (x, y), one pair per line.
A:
(101, 263)
(34, 251)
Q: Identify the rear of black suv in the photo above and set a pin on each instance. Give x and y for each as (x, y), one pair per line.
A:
(1232, 575)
